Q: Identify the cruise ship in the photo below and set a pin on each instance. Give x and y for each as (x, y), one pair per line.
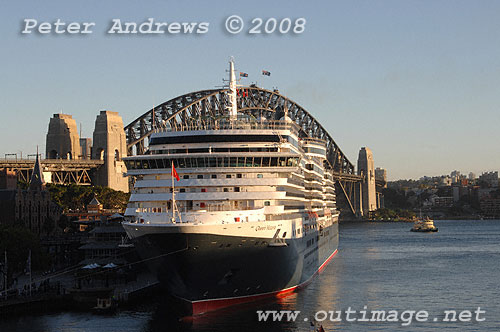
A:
(232, 209)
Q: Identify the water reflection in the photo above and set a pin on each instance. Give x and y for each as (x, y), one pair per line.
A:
(240, 318)
(382, 266)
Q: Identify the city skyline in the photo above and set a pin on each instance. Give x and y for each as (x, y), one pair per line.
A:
(416, 82)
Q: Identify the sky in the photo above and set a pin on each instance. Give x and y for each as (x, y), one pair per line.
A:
(418, 82)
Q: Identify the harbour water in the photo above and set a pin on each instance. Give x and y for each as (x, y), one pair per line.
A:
(382, 266)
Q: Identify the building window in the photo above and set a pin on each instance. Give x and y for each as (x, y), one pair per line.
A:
(237, 189)
(185, 177)
(228, 176)
(267, 203)
(200, 176)
(214, 176)
(226, 190)
(239, 176)
(182, 190)
(259, 176)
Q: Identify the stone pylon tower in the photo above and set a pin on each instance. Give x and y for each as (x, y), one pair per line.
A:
(110, 145)
(63, 141)
(368, 195)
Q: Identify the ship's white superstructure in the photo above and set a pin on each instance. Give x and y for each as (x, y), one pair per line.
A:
(242, 181)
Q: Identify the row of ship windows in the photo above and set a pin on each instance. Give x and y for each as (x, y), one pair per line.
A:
(213, 162)
(217, 176)
(210, 150)
(304, 230)
(315, 150)
(191, 205)
(312, 167)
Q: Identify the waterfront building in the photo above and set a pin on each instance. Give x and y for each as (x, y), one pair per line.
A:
(490, 179)
(456, 193)
(103, 244)
(8, 179)
(381, 174)
(446, 181)
(95, 213)
(443, 201)
(490, 207)
(86, 148)
(32, 208)
(94, 206)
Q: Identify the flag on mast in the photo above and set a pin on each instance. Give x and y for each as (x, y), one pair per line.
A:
(174, 172)
(266, 73)
(242, 74)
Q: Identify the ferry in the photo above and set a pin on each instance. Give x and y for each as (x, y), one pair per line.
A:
(424, 225)
(232, 209)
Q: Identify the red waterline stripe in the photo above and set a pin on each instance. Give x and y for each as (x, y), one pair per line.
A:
(203, 306)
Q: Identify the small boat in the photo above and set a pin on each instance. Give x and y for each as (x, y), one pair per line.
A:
(424, 225)
(104, 306)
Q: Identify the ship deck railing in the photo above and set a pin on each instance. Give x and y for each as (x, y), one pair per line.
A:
(228, 125)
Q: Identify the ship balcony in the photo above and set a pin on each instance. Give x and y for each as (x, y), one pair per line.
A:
(204, 217)
(243, 123)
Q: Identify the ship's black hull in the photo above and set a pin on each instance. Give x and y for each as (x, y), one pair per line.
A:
(211, 271)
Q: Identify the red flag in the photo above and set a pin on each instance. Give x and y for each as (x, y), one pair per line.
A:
(174, 172)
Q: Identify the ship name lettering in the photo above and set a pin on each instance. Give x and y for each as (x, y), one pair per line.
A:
(263, 228)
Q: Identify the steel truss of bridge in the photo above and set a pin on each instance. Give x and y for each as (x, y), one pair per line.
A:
(63, 171)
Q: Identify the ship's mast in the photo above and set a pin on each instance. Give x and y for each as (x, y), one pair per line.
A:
(174, 205)
(173, 194)
(233, 110)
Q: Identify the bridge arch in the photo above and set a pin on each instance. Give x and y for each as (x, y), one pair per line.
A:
(195, 107)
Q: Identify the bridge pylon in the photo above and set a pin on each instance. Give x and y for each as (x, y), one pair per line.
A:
(63, 141)
(367, 194)
(110, 145)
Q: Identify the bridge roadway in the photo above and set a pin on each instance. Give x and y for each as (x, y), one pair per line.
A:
(64, 171)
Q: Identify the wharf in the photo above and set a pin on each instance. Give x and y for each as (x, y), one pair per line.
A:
(61, 298)
(34, 304)
(144, 286)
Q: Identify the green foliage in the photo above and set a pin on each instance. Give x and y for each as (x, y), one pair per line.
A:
(395, 199)
(23, 185)
(397, 214)
(48, 226)
(63, 222)
(74, 197)
(17, 241)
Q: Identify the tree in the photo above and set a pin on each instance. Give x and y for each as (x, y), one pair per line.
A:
(76, 198)
(18, 241)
